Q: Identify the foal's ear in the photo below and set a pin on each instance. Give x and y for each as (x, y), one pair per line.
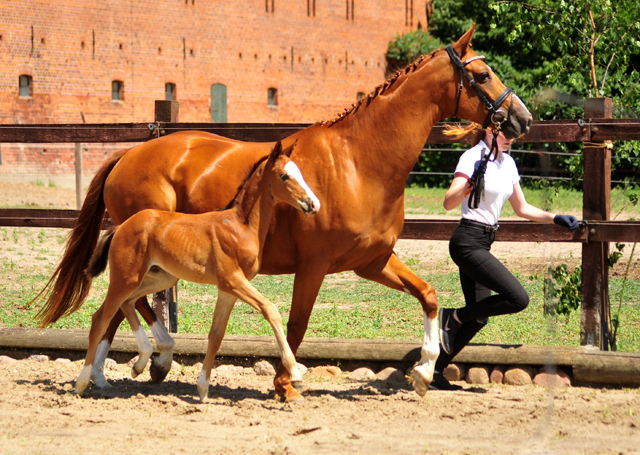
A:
(277, 150)
(464, 42)
(287, 152)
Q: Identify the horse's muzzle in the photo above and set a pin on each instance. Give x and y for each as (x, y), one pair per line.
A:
(309, 206)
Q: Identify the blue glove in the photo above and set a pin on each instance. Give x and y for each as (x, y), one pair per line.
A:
(568, 221)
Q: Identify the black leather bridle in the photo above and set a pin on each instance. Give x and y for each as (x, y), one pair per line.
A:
(477, 179)
(492, 106)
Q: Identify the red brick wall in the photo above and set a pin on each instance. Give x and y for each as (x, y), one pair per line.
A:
(318, 64)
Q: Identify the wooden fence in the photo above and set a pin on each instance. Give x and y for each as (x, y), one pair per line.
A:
(594, 130)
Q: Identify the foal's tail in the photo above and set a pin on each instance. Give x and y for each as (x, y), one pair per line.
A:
(100, 258)
(67, 289)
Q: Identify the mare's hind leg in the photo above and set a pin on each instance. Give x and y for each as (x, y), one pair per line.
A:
(224, 305)
(244, 290)
(393, 273)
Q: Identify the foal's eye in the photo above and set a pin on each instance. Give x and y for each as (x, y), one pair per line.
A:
(284, 177)
(484, 77)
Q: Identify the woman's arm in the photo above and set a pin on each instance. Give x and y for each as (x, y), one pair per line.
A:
(526, 210)
(457, 191)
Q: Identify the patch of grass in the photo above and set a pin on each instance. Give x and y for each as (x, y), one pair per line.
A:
(347, 307)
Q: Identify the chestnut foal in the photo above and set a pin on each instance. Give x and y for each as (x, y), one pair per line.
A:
(153, 249)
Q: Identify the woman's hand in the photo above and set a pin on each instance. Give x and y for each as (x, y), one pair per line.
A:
(568, 221)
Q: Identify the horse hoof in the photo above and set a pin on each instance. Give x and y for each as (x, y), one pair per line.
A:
(134, 372)
(419, 384)
(292, 396)
(299, 386)
(158, 373)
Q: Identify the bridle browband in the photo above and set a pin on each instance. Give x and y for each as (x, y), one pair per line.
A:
(477, 179)
(492, 106)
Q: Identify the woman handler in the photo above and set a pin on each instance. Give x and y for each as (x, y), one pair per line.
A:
(484, 180)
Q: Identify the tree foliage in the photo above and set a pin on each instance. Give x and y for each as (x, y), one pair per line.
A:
(407, 48)
(554, 54)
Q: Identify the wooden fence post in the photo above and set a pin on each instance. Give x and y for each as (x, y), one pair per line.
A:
(595, 325)
(165, 303)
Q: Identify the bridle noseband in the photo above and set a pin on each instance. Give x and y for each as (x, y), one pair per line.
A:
(492, 106)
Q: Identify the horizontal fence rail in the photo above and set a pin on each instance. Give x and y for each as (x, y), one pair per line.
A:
(414, 229)
(541, 131)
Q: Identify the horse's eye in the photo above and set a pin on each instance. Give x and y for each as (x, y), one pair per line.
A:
(284, 177)
(484, 77)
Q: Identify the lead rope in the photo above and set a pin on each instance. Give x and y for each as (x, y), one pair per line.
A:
(477, 179)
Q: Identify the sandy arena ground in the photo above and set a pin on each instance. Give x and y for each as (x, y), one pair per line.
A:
(39, 414)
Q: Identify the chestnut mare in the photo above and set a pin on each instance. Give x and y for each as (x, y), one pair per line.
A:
(151, 250)
(357, 164)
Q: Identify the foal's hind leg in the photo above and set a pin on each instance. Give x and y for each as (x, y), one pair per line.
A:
(164, 342)
(99, 323)
(224, 305)
(393, 273)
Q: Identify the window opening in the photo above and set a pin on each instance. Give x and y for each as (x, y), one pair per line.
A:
(26, 86)
(117, 91)
(272, 97)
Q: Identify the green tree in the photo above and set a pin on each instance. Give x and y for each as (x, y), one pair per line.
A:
(597, 44)
(405, 49)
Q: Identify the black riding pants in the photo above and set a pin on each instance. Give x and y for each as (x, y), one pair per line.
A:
(480, 273)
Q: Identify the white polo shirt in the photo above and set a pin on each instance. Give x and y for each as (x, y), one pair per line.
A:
(499, 179)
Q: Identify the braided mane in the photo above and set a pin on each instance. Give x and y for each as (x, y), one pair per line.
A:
(380, 89)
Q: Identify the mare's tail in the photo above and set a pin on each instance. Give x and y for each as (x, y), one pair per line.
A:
(67, 289)
(100, 257)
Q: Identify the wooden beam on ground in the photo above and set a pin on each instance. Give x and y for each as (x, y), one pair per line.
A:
(589, 365)
(618, 368)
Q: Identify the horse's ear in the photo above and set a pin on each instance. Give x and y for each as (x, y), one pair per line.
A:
(287, 152)
(277, 150)
(464, 42)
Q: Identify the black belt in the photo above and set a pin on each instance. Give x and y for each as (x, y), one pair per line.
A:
(481, 226)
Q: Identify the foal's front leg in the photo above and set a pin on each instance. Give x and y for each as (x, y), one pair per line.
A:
(244, 290)
(221, 314)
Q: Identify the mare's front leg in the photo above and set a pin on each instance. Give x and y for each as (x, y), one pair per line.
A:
(244, 290)
(221, 314)
(393, 273)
